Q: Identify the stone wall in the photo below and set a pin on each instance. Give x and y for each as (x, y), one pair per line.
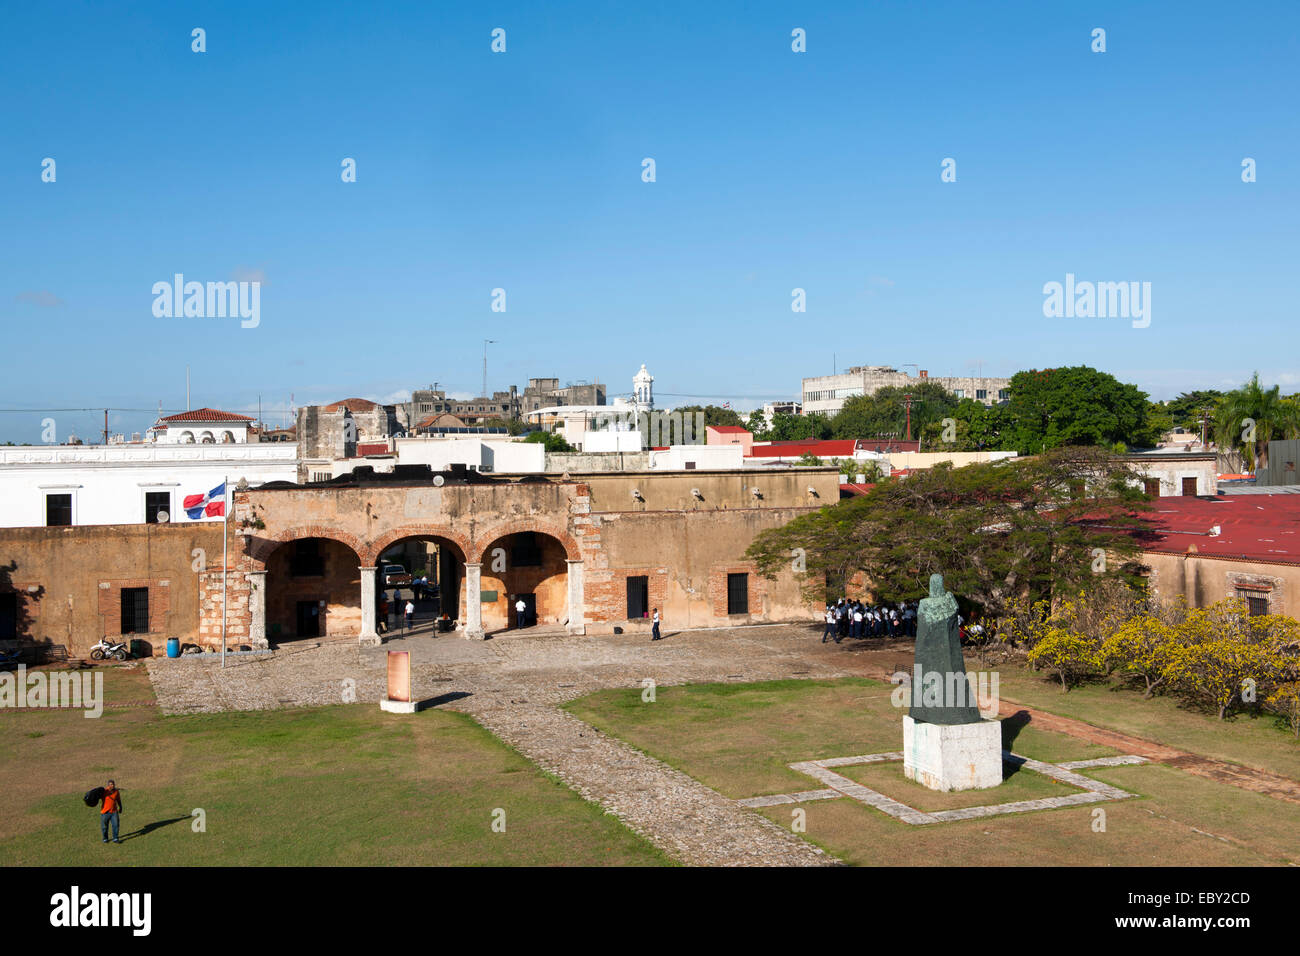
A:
(67, 582)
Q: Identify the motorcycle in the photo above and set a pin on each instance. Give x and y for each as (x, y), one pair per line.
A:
(10, 659)
(106, 649)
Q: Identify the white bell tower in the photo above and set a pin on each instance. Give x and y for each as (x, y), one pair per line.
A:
(643, 389)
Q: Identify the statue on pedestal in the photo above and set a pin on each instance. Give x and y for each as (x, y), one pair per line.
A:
(941, 690)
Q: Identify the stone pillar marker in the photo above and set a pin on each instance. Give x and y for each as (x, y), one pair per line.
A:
(369, 636)
(577, 606)
(257, 611)
(473, 628)
(946, 743)
(397, 699)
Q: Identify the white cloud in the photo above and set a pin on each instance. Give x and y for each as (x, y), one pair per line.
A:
(43, 298)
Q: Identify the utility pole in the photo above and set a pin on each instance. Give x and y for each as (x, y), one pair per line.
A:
(486, 343)
(907, 405)
(1205, 424)
(106, 426)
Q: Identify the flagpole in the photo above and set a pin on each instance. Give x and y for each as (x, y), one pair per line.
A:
(225, 571)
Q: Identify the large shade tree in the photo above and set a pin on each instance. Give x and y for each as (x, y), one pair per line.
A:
(1059, 407)
(998, 532)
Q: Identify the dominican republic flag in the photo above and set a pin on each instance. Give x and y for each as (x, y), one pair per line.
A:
(211, 505)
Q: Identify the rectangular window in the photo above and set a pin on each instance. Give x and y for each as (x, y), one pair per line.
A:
(1256, 601)
(738, 593)
(155, 502)
(638, 596)
(307, 561)
(8, 616)
(1004, 395)
(981, 394)
(1189, 487)
(690, 465)
(58, 510)
(1152, 487)
(959, 393)
(135, 610)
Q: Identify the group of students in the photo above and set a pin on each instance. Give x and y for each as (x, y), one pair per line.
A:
(856, 618)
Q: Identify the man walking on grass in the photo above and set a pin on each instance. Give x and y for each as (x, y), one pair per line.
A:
(110, 812)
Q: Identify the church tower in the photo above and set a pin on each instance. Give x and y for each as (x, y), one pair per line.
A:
(643, 390)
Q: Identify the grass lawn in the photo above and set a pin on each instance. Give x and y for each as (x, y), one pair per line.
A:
(739, 739)
(341, 785)
(1245, 739)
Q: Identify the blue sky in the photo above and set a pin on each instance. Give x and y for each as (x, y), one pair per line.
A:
(522, 171)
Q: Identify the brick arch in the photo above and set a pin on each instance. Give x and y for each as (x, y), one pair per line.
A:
(496, 532)
(260, 548)
(389, 538)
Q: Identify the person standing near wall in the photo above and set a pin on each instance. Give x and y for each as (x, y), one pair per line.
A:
(654, 627)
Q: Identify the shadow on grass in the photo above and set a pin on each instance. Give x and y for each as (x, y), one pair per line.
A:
(150, 827)
(1011, 727)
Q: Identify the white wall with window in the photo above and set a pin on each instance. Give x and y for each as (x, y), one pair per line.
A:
(53, 485)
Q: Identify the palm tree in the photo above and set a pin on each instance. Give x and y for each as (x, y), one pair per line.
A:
(1250, 416)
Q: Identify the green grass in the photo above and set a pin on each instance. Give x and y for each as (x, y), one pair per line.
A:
(341, 785)
(1249, 740)
(739, 739)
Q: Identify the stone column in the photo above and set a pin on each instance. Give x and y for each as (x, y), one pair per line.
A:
(577, 605)
(473, 627)
(257, 611)
(369, 636)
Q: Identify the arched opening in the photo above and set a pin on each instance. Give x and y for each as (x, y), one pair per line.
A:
(428, 572)
(313, 589)
(187, 438)
(527, 567)
(227, 438)
(207, 439)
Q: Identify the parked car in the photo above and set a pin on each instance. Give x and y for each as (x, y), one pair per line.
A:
(395, 575)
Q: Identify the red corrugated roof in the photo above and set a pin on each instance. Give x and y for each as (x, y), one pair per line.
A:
(1258, 527)
(206, 415)
(372, 448)
(834, 448)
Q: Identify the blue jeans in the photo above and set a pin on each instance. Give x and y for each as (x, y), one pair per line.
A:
(104, 820)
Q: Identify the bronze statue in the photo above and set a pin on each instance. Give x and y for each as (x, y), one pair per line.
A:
(941, 690)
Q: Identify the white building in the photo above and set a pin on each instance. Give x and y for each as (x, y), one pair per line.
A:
(128, 484)
(693, 457)
(202, 426)
(479, 454)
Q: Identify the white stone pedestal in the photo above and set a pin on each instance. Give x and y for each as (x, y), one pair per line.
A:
(397, 706)
(953, 756)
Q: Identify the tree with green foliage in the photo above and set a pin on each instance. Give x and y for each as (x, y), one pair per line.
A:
(551, 440)
(883, 413)
(998, 531)
(1186, 409)
(974, 427)
(1250, 417)
(1053, 408)
(713, 414)
(799, 427)
(757, 425)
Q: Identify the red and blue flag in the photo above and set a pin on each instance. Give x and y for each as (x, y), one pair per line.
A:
(211, 505)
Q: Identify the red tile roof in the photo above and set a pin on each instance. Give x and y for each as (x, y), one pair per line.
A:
(728, 429)
(1262, 528)
(206, 415)
(372, 448)
(353, 405)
